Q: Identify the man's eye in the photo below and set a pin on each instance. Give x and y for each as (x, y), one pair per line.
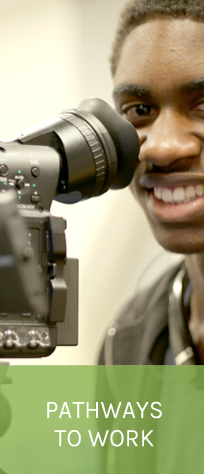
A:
(137, 110)
(138, 114)
(199, 107)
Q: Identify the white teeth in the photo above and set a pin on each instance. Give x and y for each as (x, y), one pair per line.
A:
(190, 191)
(167, 195)
(158, 192)
(200, 189)
(179, 194)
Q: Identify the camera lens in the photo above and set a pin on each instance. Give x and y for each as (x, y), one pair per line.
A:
(101, 150)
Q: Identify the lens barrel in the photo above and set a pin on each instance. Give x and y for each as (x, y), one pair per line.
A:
(98, 149)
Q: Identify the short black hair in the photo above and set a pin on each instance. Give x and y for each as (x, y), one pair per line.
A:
(137, 12)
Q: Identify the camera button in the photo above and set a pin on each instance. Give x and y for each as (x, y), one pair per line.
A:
(3, 170)
(19, 183)
(35, 171)
(35, 198)
(33, 339)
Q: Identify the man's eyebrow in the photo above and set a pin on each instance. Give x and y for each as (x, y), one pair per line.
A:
(143, 91)
(133, 89)
(193, 86)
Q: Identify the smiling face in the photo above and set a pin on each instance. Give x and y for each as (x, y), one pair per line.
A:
(159, 88)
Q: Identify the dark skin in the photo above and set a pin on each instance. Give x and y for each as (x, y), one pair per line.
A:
(159, 88)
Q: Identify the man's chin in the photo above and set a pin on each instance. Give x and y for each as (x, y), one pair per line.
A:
(180, 244)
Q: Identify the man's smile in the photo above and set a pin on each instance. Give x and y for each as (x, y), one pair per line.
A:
(174, 188)
(176, 205)
(179, 195)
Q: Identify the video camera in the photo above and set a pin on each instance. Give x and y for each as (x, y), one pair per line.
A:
(78, 155)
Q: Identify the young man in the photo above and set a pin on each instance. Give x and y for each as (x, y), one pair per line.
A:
(158, 71)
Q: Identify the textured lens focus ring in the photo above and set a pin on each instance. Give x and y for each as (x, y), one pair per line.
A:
(96, 148)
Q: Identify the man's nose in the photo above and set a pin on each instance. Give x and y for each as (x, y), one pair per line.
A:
(168, 139)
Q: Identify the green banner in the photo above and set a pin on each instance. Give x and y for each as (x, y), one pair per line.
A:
(101, 420)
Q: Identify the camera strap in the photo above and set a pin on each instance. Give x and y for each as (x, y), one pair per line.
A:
(180, 337)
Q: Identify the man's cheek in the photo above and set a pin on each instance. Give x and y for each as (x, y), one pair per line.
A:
(134, 186)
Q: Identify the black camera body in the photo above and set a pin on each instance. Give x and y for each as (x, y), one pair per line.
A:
(78, 155)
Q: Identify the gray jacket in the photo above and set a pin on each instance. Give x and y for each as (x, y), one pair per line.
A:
(140, 336)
